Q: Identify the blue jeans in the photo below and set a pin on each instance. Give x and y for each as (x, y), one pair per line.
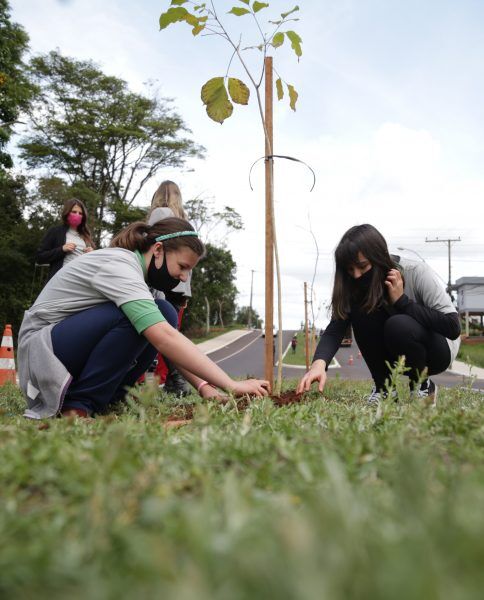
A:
(104, 354)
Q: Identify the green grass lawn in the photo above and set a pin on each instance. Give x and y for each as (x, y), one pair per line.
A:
(472, 354)
(327, 499)
(299, 357)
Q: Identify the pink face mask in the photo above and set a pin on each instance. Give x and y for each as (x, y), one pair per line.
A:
(74, 219)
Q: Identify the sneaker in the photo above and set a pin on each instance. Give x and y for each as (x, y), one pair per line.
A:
(377, 395)
(176, 384)
(427, 392)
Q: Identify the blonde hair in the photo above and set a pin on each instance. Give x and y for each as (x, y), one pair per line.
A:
(168, 195)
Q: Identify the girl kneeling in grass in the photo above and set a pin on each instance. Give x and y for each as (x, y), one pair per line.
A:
(95, 327)
(396, 307)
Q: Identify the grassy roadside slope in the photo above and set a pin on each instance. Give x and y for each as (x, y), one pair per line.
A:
(328, 499)
(472, 354)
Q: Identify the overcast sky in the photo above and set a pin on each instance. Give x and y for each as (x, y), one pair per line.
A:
(390, 117)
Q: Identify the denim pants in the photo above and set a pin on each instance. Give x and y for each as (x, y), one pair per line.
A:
(104, 354)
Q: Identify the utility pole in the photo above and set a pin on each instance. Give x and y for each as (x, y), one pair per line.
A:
(249, 320)
(306, 325)
(447, 241)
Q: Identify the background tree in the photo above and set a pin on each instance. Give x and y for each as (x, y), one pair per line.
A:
(213, 225)
(18, 242)
(242, 317)
(89, 129)
(15, 88)
(212, 279)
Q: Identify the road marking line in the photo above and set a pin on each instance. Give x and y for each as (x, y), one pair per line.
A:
(238, 351)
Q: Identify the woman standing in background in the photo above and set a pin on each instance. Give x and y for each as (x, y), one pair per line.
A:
(63, 243)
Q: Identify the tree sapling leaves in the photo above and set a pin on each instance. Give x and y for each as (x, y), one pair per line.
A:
(279, 89)
(257, 6)
(278, 39)
(178, 2)
(293, 10)
(215, 97)
(238, 91)
(295, 42)
(179, 13)
(293, 95)
(238, 11)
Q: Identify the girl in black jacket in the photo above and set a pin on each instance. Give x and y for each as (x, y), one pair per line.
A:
(63, 243)
(396, 307)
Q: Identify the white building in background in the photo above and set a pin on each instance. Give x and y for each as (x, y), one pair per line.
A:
(470, 298)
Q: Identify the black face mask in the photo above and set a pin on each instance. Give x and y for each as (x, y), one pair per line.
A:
(160, 279)
(364, 281)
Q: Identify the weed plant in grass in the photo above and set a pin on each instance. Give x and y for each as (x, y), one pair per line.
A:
(326, 499)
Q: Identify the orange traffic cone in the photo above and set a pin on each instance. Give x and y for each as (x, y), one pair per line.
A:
(350, 360)
(7, 361)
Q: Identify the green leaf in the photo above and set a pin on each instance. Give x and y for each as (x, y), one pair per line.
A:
(238, 11)
(257, 6)
(245, 2)
(279, 89)
(238, 91)
(199, 25)
(293, 95)
(295, 9)
(178, 2)
(174, 15)
(215, 97)
(278, 40)
(295, 42)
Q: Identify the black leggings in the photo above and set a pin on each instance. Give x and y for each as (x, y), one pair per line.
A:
(382, 338)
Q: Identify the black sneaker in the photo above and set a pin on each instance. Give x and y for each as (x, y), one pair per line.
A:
(176, 384)
(377, 395)
(428, 392)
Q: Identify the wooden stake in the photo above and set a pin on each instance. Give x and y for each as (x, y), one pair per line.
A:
(269, 242)
(306, 324)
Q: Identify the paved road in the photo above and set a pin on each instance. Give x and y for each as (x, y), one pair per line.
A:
(245, 357)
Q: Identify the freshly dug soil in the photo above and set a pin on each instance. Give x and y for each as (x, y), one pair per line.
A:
(185, 414)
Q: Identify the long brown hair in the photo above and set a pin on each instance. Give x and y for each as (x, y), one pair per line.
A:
(141, 236)
(370, 242)
(168, 195)
(83, 229)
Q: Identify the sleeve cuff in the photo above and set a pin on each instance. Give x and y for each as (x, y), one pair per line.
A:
(402, 303)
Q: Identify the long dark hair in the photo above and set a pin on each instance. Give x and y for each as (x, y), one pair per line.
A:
(83, 229)
(141, 236)
(370, 242)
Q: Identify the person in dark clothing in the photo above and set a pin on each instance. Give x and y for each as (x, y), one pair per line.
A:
(63, 243)
(396, 307)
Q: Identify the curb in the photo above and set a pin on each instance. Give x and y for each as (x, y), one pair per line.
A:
(461, 368)
(210, 346)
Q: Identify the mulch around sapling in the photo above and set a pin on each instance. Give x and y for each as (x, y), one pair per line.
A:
(184, 414)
